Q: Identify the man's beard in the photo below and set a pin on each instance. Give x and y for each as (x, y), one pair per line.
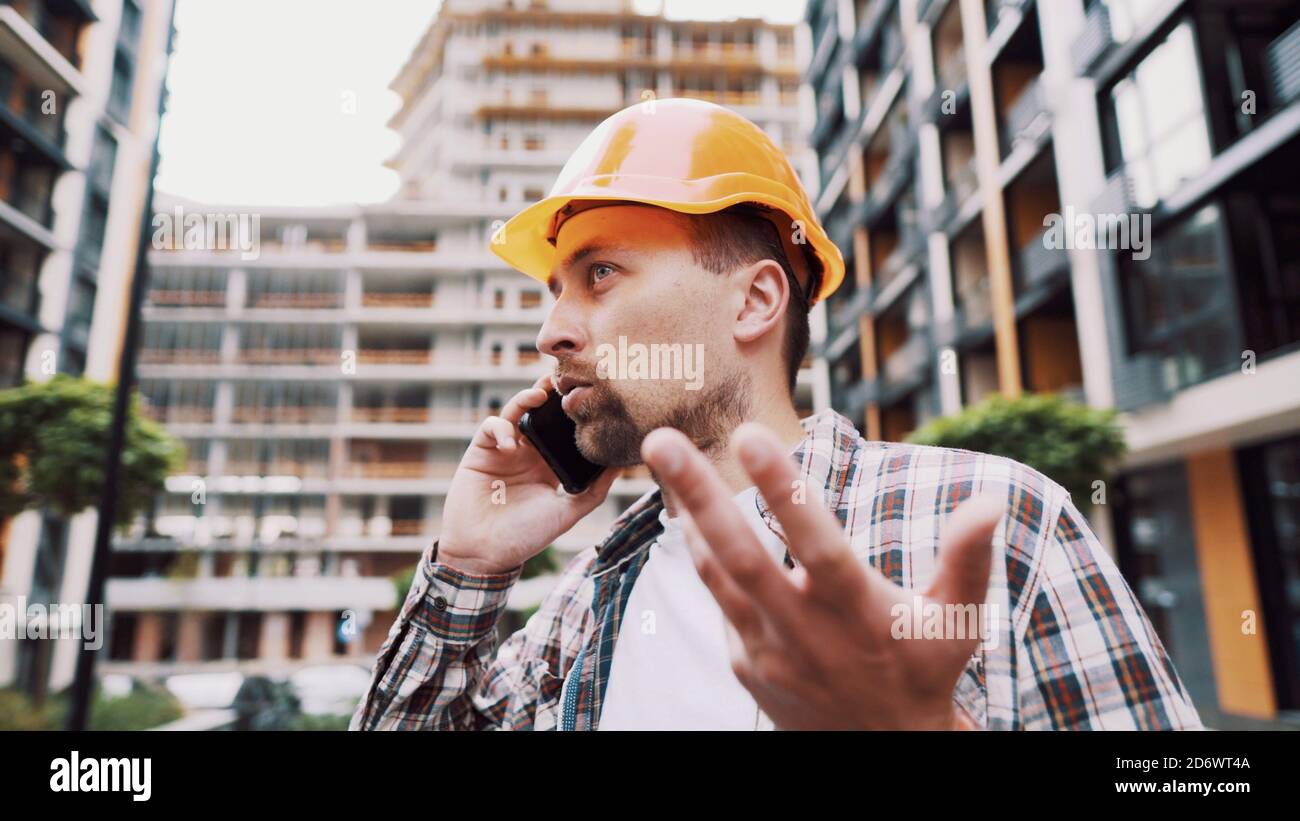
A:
(608, 435)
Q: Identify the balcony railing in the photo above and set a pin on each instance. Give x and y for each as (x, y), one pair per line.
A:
(397, 300)
(908, 360)
(283, 415)
(390, 470)
(975, 304)
(189, 356)
(407, 527)
(1027, 118)
(177, 414)
(297, 300)
(1035, 262)
(305, 470)
(727, 98)
(408, 416)
(962, 185)
(717, 53)
(456, 416)
(952, 70)
(290, 356)
(1284, 66)
(322, 245)
(414, 356)
(166, 298)
(1093, 40)
(413, 246)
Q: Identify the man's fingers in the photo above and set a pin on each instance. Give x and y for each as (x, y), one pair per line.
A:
(965, 551)
(685, 472)
(816, 539)
(526, 400)
(496, 432)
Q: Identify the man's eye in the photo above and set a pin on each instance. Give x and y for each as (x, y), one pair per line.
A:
(600, 270)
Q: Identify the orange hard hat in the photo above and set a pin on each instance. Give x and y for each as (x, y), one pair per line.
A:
(686, 155)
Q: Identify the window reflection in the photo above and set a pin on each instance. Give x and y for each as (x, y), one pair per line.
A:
(1157, 120)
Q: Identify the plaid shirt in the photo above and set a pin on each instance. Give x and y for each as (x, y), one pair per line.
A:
(1072, 649)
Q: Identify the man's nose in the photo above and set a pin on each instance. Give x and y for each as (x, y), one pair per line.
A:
(563, 333)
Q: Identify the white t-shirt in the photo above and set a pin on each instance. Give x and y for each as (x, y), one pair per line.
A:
(672, 666)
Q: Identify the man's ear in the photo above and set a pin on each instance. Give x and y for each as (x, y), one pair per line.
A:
(766, 292)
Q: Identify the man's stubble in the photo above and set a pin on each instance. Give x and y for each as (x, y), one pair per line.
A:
(608, 433)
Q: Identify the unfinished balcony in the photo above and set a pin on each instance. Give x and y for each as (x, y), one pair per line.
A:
(1049, 347)
(289, 235)
(1023, 113)
(177, 402)
(284, 403)
(888, 160)
(1039, 260)
(170, 343)
(903, 347)
(972, 321)
(186, 288)
(960, 177)
(951, 86)
(377, 345)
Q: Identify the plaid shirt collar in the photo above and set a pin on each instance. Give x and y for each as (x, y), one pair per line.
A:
(824, 455)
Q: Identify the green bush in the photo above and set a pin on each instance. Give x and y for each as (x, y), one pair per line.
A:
(145, 707)
(53, 439)
(312, 723)
(1072, 444)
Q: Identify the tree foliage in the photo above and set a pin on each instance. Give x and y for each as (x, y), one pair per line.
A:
(1072, 444)
(53, 441)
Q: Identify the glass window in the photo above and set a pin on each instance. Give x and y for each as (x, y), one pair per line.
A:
(1179, 303)
(1271, 478)
(1156, 120)
(1157, 553)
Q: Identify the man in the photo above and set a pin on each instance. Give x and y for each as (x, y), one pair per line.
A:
(856, 585)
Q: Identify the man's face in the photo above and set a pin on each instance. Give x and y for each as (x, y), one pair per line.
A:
(645, 330)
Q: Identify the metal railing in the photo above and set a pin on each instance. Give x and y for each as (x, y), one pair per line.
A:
(1283, 58)
(1093, 40)
(1027, 118)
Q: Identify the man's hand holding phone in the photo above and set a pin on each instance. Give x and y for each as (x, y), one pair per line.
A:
(503, 507)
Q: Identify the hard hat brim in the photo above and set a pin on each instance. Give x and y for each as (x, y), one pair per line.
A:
(522, 241)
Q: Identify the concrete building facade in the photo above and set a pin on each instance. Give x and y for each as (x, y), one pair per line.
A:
(956, 139)
(327, 385)
(80, 86)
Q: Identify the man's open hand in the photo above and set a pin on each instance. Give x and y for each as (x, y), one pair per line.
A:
(814, 645)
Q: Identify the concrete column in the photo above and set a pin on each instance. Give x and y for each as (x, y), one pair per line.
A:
(275, 637)
(189, 637)
(148, 637)
(988, 163)
(318, 636)
(236, 291)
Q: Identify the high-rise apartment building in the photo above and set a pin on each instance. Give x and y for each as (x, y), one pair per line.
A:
(80, 85)
(327, 385)
(1098, 198)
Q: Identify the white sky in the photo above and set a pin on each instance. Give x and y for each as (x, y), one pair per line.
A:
(257, 88)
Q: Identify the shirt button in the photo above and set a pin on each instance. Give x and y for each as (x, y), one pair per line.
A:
(439, 603)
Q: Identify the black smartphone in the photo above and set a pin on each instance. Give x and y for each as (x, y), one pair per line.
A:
(555, 436)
